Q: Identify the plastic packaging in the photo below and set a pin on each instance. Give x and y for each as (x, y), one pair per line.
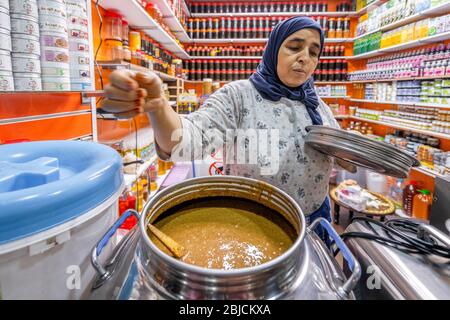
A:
(408, 195)
(422, 205)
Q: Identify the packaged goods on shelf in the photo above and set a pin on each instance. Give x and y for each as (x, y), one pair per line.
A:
(425, 62)
(221, 69)
(188, 102)
(332, 91)
(266, 7)
(413, 31)
(257, 27)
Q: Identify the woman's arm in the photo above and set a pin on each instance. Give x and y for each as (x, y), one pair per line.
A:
(129, 94)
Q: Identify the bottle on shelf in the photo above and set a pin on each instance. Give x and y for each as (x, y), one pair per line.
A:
(409, 192)
(422, 205)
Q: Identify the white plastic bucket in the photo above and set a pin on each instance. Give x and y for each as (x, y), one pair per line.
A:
(24, 24)
(25, 63)
(5, 22)
(5, 61)
(55, 69)
(28, 7)
(6, 81)
(56, 263)
(54, 40)
(56, 83)
(25, 44)
(27, 82)
(53, 54)
(5, 40)
(4, 4)
(52, 8)
(53, 24)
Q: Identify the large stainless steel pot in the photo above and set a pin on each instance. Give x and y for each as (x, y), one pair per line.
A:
(140, 270)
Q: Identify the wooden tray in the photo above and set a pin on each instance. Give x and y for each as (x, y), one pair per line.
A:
(386, 212)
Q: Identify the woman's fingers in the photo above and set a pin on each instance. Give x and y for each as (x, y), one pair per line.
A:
(150, 82)
(115, 93)
(123, 79)
(116, 106)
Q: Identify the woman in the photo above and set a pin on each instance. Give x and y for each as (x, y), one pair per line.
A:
(279, 96)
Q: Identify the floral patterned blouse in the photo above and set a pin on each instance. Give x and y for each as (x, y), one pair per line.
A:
(237, 107)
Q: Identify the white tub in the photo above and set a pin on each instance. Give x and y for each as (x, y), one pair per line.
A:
(77, 22)
(78, 34)
(80, 72)
(56, 83)
(53, 24)
(52, 54)
(49, 257)
(6, 81)
(5, 61)
(52, 8)
(4, 4)
(55, 69)
(24, 24)
(22, 62)
(5, 40)
(28, 7)
(22, 43)
(76, 6)
(5, 22)
(54, 40)
(27, 82)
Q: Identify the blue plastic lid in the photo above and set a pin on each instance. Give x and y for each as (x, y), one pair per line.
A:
(44, 184)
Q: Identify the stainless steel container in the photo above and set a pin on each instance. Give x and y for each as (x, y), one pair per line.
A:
(388, 273)
(140, 270)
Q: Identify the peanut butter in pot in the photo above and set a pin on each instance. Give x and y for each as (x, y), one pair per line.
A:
(226, 233)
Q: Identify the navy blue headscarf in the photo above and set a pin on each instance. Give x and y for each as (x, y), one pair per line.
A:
(266, 80)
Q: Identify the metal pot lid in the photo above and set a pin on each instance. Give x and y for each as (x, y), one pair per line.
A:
(386, 149)
(361, 151)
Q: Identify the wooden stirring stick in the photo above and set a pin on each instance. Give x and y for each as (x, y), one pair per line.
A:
(177, 250)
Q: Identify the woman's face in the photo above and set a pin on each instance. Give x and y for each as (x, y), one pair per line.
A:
(298, 57)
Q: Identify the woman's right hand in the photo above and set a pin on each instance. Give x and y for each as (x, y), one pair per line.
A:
(130, 93)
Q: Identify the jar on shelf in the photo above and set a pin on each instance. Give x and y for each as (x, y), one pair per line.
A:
(112, 26)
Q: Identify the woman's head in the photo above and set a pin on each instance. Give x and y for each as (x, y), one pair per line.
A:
(290, 58)
(298, 57)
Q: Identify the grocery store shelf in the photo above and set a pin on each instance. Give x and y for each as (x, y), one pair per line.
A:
(131, 178)
(44, 117)
(403, 46)
(253, 57)
(259, 40)
(331, 82)
(341, 116)
(132, 11)
(404, 103)
(428, 172)
(403, 127)
(401, 79)
(369, 7)
(227, 57)
(334, 97)
(172, 21)
(432, 12)
(274, 14)
(134, 67)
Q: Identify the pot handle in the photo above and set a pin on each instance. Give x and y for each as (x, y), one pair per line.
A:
(352, 263)
(97, 250)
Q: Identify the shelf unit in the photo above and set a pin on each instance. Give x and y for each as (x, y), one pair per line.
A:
(131, 178)
(127, 65)
(369, 7)
(253, 57)
(404, 103)
(402, 79)
(260, 40)
(408, 45)
(133, 12)
(172, 21)
(274, 14)
(432, 12)
(334, 97)
(396, 126)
